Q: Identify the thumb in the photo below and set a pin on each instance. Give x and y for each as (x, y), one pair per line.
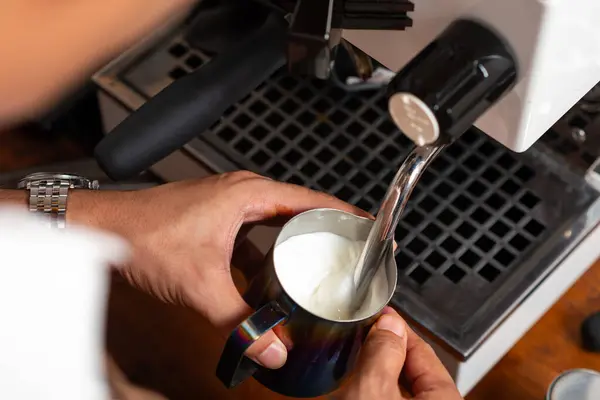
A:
(384, 352)
(269, 351)
(224, 307)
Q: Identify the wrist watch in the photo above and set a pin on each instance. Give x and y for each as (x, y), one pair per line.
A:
(49, 192)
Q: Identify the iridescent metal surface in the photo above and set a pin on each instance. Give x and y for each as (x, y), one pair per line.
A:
(321, 352)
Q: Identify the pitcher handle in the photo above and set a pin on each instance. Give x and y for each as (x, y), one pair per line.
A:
(234, 367)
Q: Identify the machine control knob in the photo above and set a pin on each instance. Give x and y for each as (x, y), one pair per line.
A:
(451, 82)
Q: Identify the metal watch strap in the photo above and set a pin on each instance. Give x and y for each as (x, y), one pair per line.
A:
(48, 194)
(50, 197)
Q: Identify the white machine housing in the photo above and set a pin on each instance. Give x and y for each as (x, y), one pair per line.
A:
(557, 44)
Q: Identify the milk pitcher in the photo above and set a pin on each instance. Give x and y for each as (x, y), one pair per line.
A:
(321, 352)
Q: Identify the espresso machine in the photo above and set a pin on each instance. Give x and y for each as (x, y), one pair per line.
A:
(501, 223)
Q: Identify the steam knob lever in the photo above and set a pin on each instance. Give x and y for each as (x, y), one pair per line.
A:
(452, 82)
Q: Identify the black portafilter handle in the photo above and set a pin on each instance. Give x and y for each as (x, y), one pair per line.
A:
(452, 82)
(190, 105)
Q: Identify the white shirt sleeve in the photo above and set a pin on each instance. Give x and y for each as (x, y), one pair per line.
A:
(53, 293)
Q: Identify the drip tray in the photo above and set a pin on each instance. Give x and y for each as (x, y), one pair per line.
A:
(484, 225)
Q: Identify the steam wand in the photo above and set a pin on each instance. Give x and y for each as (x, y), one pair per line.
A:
(381, 235)
(435, 98)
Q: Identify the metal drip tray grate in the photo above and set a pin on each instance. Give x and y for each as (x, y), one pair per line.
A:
(470, 242)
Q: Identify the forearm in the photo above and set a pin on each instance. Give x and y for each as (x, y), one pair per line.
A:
(48, 47)
(13, 197)
(97, 209)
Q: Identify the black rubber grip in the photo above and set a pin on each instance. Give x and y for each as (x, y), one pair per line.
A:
(190, 105)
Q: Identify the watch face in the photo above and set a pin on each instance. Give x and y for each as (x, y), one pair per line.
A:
(76, 181)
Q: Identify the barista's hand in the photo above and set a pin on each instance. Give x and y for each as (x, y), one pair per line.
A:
(392, 349)
(183, 237)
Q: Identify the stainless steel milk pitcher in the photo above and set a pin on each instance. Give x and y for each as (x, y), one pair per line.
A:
(321, 352)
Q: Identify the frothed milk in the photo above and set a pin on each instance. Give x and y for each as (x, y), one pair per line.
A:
(317, 270)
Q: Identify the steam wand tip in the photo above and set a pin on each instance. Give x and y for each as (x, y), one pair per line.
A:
(381, 234)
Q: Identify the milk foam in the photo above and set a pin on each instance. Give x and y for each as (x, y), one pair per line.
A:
(317, 270)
